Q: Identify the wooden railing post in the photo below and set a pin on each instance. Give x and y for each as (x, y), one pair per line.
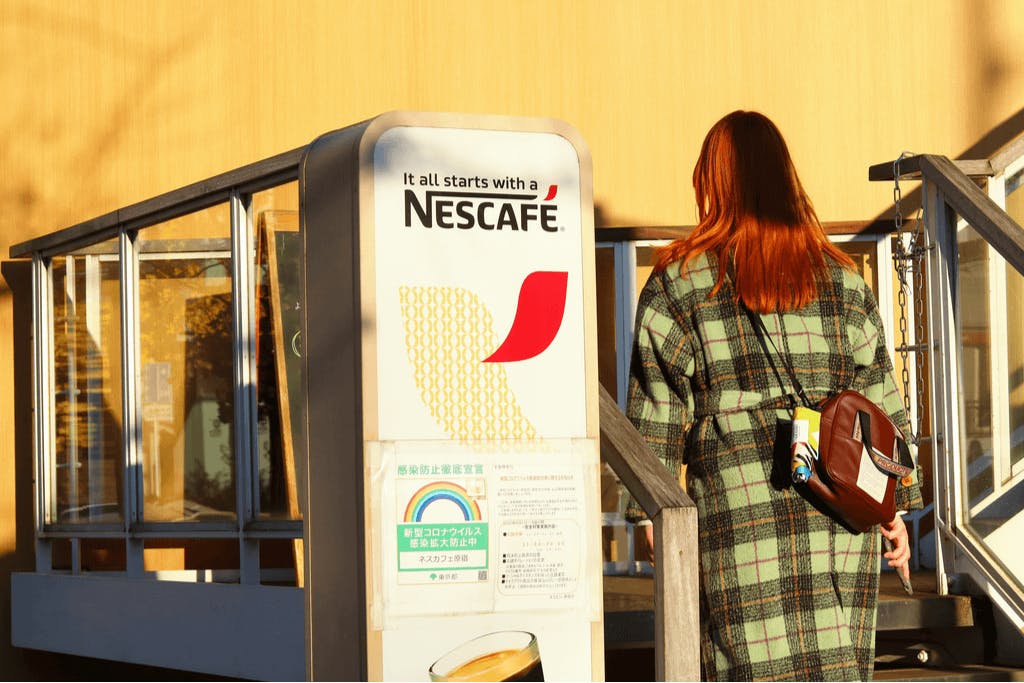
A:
(676, 581)
(676, 571)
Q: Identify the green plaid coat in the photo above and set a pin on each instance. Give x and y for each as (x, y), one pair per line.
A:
(786, 592)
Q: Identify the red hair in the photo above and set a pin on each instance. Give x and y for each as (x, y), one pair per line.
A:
(755, 217)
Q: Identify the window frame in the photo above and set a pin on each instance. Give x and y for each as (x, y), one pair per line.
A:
(236, 189)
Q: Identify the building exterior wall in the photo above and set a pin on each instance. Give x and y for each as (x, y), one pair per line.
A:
(107, 103)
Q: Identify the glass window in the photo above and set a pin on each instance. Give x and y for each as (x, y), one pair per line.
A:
(988, 295)
(865, 259)
(281, 413)
(645, 264)
(87, 481)
(186, 375)
(976, 354)
(1015, 338)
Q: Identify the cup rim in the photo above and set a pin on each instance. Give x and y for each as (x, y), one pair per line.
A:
(531, 641)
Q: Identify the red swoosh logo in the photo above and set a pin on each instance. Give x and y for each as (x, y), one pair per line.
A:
(538, 317)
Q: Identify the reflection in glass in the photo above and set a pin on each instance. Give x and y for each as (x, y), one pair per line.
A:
(865, 259)
(1015, 338)
(976, 353)
(281, 408)
(645, 257)
(994, 491)
(87, 486)
(186, 368)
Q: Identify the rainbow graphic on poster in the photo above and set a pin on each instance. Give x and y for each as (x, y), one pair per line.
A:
(442, 536)
(441, 491)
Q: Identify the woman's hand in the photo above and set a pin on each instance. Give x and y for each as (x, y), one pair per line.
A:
(645, 540)
(899, 556)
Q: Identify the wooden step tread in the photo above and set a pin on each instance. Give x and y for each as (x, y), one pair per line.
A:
(924, 609)
(629, 607)
(637, 592)
(970, 672)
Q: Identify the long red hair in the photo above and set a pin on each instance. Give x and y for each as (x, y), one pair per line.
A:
(755, 217)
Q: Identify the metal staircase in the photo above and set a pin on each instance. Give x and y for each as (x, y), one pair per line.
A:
(932, 637)
(972, 249)
(923, 637)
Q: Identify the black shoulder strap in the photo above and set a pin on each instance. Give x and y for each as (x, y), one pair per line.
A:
(762, 335)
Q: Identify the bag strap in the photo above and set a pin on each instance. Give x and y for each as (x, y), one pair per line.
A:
(902, 468)
(762, 333)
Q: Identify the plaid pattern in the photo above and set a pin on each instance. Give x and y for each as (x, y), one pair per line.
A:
(786, 592)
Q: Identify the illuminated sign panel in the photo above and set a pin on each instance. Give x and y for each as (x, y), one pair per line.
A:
(452, 401)
(480, 323)
(483, 475)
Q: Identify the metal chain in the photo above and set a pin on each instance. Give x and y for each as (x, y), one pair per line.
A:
(920, 241)
(909, 263)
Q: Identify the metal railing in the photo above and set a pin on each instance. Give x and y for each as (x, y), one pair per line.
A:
(962, 195)
(969, 303)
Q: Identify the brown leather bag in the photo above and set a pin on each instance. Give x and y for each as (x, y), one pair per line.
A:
(861, 456)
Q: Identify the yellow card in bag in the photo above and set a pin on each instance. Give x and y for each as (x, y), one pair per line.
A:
(804, 444)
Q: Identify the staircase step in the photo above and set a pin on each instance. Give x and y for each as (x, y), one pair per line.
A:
(934, 648)
(972, 672)
(924, 609)
(949, 628)
(629, 608)
(628, 612)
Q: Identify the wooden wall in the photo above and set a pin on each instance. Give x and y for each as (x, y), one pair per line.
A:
(108, 102)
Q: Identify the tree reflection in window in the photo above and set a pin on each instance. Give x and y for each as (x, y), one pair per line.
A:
(186, 369)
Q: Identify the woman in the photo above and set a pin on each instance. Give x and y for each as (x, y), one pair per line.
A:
(786, 591)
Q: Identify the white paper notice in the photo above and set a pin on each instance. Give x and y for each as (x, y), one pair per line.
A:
(870, 479)
(538, 559)
(469, 530)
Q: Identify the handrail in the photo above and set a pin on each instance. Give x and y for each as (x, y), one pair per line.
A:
(974, 168)
(951, 196)
(1010, 152)
(976, 207)
(676, 572)
(633, 233)
(910, 168)
(953, 179)
(253, 177)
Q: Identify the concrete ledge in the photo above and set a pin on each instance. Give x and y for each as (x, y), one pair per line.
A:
(255, 632)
